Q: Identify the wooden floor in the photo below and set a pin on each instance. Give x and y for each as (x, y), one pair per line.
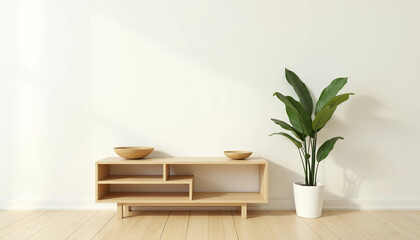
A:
(217, 225)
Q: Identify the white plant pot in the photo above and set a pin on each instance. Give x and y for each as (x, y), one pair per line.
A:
(308, 199)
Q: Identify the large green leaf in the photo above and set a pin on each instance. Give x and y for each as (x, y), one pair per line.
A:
(337, 100)
(322, 117)
(298, 117)
(296, 142)
(286, 126)
(325, 114)
(304, 116)
(326, 148)
(329, 92)
(301, 91)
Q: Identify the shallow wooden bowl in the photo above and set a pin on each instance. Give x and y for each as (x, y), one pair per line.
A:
(237, 155)
(133, 152)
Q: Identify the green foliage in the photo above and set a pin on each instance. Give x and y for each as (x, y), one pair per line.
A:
(303, 127)
(326, 148)
(286, 126)
(326, 112)
(298, 116)
(301, 90)
(296, 142)
(329, 92)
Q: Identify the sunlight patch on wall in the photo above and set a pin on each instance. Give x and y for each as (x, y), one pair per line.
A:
(32, 40)
(31, 142)
(139, 84)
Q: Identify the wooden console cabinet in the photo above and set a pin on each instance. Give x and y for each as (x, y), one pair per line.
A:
(105, 180)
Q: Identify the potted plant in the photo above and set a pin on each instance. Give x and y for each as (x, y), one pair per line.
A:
(305, 124)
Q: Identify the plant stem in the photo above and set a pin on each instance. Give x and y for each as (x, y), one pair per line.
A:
(316, 172)
(308, 150)
(314, 158)
(308, 166)
(303, 165)
(312, 147)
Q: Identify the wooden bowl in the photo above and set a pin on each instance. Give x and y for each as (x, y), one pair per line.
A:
(237, 155)
(133, 152)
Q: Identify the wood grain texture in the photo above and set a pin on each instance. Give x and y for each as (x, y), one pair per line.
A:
(263, 175)
(176, 226)
(9, 217)
(117, 228)
(158, 221)
(294, 226)
(92, 226)
(221, 226)
(32, 227)
(215, 225)
(372, 226)
(166, 171)
(320, 229)
(18, 221)
(182, 160)
(198, 225)
(146, 179)
(332, 220)
(162, 198)
(268, 226)
(246, 228)
(65, 226)
(106, 194)
(228, 225)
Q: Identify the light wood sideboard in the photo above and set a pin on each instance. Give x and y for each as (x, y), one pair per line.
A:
(106, 183)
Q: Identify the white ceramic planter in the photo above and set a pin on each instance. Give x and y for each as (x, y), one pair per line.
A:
(308, 199)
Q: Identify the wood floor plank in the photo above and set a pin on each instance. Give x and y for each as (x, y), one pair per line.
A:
(216, 225)
(89, 229)
(198, 225)
(63, 228)
(294, 226)
(31, 228)
(8, 217)
(229, 226)
(412, 215)
(246, 228)
(363, 224)
(176, 226)
(140, 228)
(268, 226)
(118, 228)
(401, 221)
(393, 227)
(320, 229)
(341, 229)
(374, 227)
(22, 222)
(157, 224)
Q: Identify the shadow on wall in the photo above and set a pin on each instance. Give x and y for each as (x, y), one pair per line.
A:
(281, 180)
(358, 157)
(357, 153)
(160, 154)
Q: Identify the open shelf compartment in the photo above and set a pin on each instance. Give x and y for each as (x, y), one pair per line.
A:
(104, 181)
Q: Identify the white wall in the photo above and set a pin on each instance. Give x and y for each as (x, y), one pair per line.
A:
(194, 78)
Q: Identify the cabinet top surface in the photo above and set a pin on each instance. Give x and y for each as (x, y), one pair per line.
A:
(183, 160)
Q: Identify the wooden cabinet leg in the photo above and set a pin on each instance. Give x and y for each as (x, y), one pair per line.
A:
(244, 211)
(126, 211)
(119, 210)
